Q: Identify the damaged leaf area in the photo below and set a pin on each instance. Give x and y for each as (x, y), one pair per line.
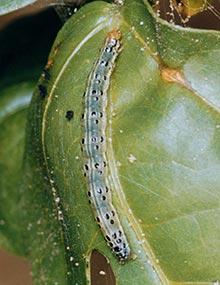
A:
(159, 118)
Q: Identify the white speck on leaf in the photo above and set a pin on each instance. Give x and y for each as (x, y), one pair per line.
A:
(132, 158)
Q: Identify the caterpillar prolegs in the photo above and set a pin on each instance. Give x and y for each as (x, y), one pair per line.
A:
(94, 147)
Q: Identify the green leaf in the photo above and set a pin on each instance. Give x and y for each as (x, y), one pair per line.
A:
(19, 73)
(14, 235)
(162, 152)
(12, 120)
(7, 6)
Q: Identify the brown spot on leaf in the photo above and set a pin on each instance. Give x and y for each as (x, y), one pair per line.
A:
(100, 270)
(173, 75)
(49, 63)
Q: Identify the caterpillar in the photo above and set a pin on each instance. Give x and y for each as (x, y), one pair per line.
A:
(94, 121)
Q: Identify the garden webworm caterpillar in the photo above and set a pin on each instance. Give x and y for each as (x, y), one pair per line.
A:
(94, 138)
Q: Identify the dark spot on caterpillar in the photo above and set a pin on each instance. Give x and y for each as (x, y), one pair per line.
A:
(96, 98)
(101, 92)
(97, 76)
(86, 167)
(100, 172)
(106, 189)
(84, 174)
(93, 139)
(96, 147)
(97, 219)
(104, 77)
(83, 140)
(104, 63)
(107, 216)
(113, 213)
(42, 90)
(101, 139)
(93, 114)
(99, 191)
(96, 121)
(111, 244)
(69, 115)
(108, 49)
(114, 236)
(119, 240)
(108, 238)
(116, 248)
(93, 92)
(104, 164)
(103, 198)
(83, 116)
(89, 193)
(112, 222)
(96, 165)
(101, 114)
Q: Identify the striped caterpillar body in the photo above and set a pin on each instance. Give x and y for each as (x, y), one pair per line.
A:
(94, 147)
